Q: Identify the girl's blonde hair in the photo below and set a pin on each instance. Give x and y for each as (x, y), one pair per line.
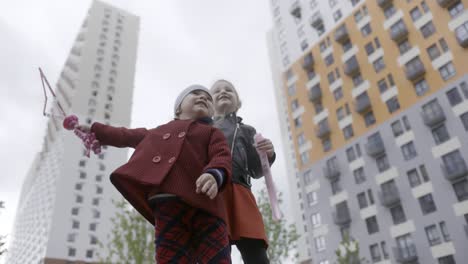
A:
(239, 102)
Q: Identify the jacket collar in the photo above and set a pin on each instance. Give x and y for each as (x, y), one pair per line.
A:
(231, 116)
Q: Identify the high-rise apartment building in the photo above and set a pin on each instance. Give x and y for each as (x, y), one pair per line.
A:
(66, 205)
(373, 99)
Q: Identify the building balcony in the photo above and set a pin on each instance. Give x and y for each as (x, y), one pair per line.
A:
(446, 3)
(362, 103)
(389, 197)
(462, 35)
(296, 10)
(384, 3)
(331, 172)
(323, 129)
(342, 34)
(316, 20)
(456, 171)
(399, 32)
(433, 117)
(315, 93)
(309, 62)
(414, 72)
(341, 216)
(375, 147)
(405, 255)
(351, 67)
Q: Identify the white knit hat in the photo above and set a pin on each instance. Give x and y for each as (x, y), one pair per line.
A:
(184, 93)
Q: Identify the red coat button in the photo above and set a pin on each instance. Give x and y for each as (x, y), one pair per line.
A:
(171, 160)
(166, 136)
(181, 134)
(156, 159)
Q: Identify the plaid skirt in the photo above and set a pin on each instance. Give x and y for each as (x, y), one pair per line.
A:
(185, 234)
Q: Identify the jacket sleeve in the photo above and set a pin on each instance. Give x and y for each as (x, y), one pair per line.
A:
(253, 160)
(118, 136)
(219, 156)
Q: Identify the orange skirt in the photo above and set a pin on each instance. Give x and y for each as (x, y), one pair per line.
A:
(243, 216)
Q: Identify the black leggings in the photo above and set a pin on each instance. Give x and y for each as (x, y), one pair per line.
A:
(253, 251)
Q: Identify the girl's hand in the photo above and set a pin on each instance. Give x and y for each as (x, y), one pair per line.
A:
(267, 146)
(206, 184)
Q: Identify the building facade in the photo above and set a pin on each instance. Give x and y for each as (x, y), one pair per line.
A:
(65, 206)
(375, 112)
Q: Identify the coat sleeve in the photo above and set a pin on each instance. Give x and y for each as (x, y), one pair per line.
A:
(118, 136)
(253, 160)
(219, 155)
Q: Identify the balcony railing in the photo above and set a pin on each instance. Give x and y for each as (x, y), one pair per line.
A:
(456, 171)
(341, 216)
(406, 255)
(375, 146)
(434, 116)
(308, 62)
(342, 34)
(323, 129)
(415, 71)
(315, 93)
(390, 197)
(446, 3)
(351, 66)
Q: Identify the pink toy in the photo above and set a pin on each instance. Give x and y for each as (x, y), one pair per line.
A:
(275, 210)
(70, 122)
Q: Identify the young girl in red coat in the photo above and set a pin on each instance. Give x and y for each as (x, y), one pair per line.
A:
(174, 177)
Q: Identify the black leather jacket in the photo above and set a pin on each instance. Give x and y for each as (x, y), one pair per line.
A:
(245, 160)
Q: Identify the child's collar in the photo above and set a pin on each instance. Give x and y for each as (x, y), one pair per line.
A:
(205, 120)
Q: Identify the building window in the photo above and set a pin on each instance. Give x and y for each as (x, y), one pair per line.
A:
(89, 253)
(305, 157)
(406, 245)
(98, 189)
(350, 154)
(382, 84)
(440, 134)
(298, 122)
(82, 175)
(71, 252)
(421, 87)
(329, 60)
(79, 186)
(359, 176)
(316, 220)
(454, 161)
(312, 198)
(320, 243)
(444, 230)
(93, 226)
(326, 144)
(79, 199)
(464, 119)
(447, 71)
(375, 253)
(409, 151)
(382, 163)
(372, 225)
(446, 260)
(337, 15)
(348, 132)
(383, 245)
(75, 211)
(366, 30)
(415, 13)
(75, 224)
(369, 48)
(301, 140)
(433, 236)
(362, 200)
(397, 128)
(389, 11)
(357, 80)
(98, 178)
(461, 190)
(404, 47)
(393, 104)
(369, 118)
(336, 187)
(428, 29)
(292, 89)
(398, 215)
(379, 65)
(427, 204)
(456, 9)
(433, 52)
(96, 201)
(318, 107)
(338, 93)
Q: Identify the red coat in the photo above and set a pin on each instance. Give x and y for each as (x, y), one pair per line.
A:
(168, 159)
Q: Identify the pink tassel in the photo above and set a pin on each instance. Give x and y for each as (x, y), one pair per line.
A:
(89, 139)
(275, 210)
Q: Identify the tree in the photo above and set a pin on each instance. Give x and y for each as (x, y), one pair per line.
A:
(348, 252)
(131, 239)
(2, 243)
(282, 238)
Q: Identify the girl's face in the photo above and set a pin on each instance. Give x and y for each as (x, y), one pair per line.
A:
(196, 104)
(225, 97)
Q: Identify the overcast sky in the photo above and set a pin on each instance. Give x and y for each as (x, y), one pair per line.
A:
(180, 43)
